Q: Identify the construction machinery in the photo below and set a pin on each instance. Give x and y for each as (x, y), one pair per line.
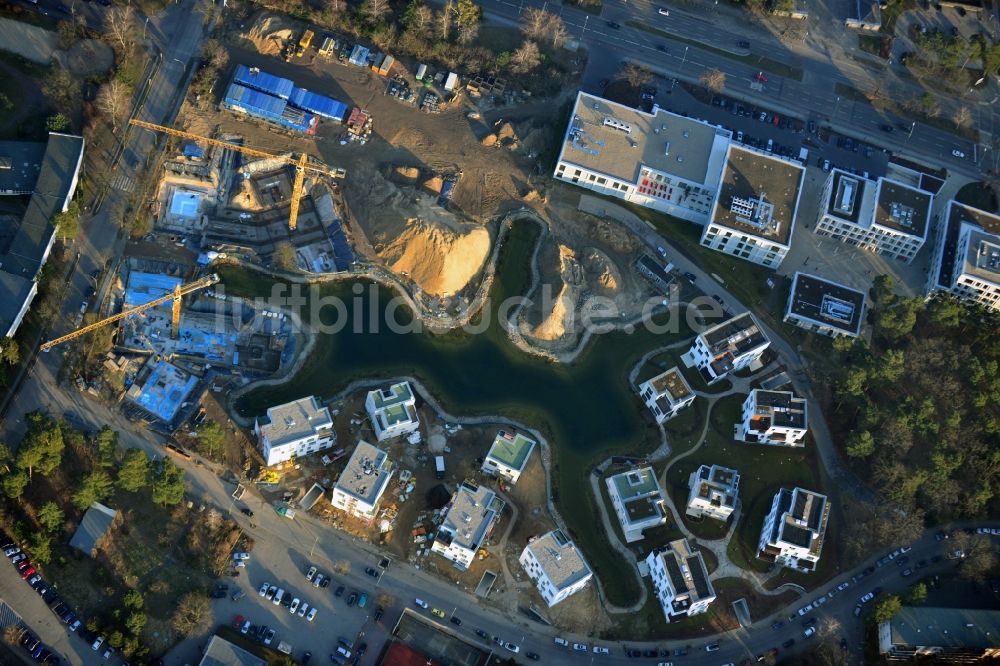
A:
(179, 292)
(301, 164)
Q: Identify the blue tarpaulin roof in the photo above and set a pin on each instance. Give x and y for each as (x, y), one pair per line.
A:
(145, 287)
(254, 102)
(264, 82)
(319, 104)
(193, 150)
(166, 388)
(343, 256)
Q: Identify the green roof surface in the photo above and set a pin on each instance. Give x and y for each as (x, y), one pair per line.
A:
(635, 483)
(511, 450)
(398, 393)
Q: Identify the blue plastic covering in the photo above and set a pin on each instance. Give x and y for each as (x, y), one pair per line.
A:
(446, 189)
(264, 82)
(321, 105)
(343, 256)
(145, 287)
(255, 103)
(192, 150)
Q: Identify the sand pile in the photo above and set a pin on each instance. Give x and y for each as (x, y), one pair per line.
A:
(554, 323)
(604, 273)
(269, 34)
(407, 175)
(433, 185)
(489, 140)
(440, 260)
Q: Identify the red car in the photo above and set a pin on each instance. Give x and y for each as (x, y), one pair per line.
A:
(28, 573)
(238, 622)
(21, 566)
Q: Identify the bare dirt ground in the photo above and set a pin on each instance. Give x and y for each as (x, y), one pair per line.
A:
(39, 45)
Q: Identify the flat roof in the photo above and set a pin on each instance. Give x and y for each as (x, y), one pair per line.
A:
(846, 196)
(366, 474)
(635, 483)
(57, 179)
(14, 292)
(759, 195)
(902, 208)
(827, 303)
(615, 139)
(959, 214)
(469, 517)
(736, 335)
(982, 259)
(164, 390)
(688, 575)
(185, 203)
(221, 652)
(804, 521)
(671, 383)
(511, 449)
(782, 408)
(946, 627)
(294, 421)
(20, 163)
(717, 483)
(559, 557)
(393, 403)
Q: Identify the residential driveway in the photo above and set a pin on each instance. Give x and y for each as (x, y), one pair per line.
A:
(42, 621)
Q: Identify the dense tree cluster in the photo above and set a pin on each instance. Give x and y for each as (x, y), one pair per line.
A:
(919, 410)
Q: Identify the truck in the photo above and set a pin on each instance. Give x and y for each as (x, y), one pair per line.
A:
(804, 155)
(304, 42)
(284, 648)
(439, 467)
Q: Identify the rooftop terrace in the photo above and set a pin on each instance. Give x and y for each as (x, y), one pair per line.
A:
(671, 383)
(294, 421)
(902, 208)
(560, 558)
(827, 303)
(366, 474)
(511, 449)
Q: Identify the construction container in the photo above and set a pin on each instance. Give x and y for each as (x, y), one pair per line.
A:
(268, 107)
(305, 41)
(262, 81)
(359, 56)
(386, 67)
(329, 44)
(321, 105)
(421, 72)
(451, 82)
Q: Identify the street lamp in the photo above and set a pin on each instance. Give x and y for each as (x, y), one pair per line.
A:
(684, 59)
(144, 29)
(836, 106)
(912, 125)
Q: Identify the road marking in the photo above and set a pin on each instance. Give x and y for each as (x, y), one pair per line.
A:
(123, 183)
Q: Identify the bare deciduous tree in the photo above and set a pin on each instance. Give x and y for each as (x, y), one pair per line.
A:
(544, 26)
(444, 20)
(112, 100)
(423, 19)
(525, 58)
(375, 11)
(214, 53)
(120, 31)
(713, 79)
(962, 117)
(636, 75)
(467, 16)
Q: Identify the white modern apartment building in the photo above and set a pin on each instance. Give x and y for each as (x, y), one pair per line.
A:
(966, 259)
(713, 492)
(886, 217)
(361, 485)
(508, 456)
(794, 529)
(556, 565)
(666, 394)
(773, 417)
(680, 580)
(392, 411)
(638, 501)
(659, 160)
(469, 519)
(732, 345)
(294, 429)
(753, 214)
(825, 307)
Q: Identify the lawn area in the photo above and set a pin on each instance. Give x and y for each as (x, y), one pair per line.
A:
(683, 429)
(763, 469)
(771, 65)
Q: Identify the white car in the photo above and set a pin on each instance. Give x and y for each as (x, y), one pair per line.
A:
(318, 580)
(562, 642)
(421, 603)
(905, 549)
(98, 642)
(295, 605)
(957, 153)
(868, 597)
(269, 637)
(819, 602)
(663, 12)
(311, 573)
(600, 649)
(303, 608)
(311, 615)
(739, 136)
(809, 632)
(246, 627)
(843, 586)
(241, 556)
(580, 647)
(805, 609)
(239, 564)
(277, 596)
(263, 589)
(712, 647)
(511, 647)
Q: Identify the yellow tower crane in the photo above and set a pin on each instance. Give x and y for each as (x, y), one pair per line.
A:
(301, 166)
(176, 295)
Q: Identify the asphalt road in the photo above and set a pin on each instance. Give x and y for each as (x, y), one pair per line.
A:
(815, 95)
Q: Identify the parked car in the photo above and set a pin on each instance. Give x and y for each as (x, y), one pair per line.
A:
(241, 555)
(247, 512)
(264, 589)
(303, 609)
(455, 620)
(421, 603)
(318, 580)
(311, 615)
(580, 647)
(379, 613)
(351, 599)
(371, 572)
(98, 642)
(269, 637)
(600, 649)
(809, 632)
(294, 605)
(438, 612)
(311, 573)
(613, 25)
